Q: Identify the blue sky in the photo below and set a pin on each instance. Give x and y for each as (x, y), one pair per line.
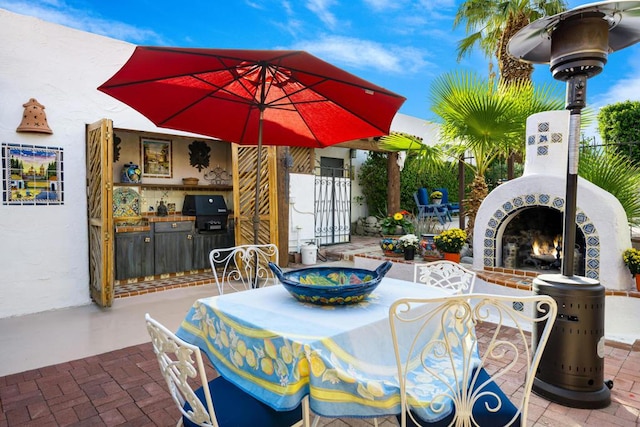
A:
(401, 45)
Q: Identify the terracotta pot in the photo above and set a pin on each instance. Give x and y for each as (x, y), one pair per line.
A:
(637, 276)
(449, 256)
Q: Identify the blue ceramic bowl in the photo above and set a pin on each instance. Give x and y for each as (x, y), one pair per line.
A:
(331, 285)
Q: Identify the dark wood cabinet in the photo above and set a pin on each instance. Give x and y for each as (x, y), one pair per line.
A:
(205, 242)
(173, 244)
(168, 247)
(134, 254)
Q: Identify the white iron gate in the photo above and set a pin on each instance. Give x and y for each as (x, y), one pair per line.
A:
(332, 206)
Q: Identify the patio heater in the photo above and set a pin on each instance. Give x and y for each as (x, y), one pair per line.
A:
(575, 43)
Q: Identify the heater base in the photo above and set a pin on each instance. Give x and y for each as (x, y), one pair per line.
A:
(573, 399)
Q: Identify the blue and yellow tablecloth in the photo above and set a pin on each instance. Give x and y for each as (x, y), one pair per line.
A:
(279, 350)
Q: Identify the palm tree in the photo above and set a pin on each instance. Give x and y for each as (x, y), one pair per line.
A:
(481, 118)
(491, 24)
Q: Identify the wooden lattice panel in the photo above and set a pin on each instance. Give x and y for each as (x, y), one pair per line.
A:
(245, 168)
(99, 207)
(302, 159)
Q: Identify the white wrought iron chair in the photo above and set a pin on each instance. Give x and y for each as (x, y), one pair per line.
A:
(445, 274)
(453, 351)
(243, 267)
(215, 403)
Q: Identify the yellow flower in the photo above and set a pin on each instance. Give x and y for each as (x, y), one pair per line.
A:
(451, 240)
(631, 258)
(398, 216)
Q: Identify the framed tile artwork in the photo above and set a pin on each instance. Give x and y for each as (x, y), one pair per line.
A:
(156, 158)
(32, 175)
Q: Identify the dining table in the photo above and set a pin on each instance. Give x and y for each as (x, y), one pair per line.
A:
(281, 350)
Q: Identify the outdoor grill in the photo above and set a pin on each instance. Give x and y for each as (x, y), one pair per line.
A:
(210, 211)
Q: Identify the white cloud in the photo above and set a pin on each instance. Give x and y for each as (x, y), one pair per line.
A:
(382, 5)
(321, 9)
(623, 90)
(364, 54)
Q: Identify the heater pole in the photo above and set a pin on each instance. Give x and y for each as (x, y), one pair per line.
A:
(575, 101)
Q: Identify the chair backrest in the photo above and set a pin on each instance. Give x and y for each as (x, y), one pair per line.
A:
(445, 274)
(453, 351)
(422, 196)
(177, 365)
(445, 194)
(243, 267)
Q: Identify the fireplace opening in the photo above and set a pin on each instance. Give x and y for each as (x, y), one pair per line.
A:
(532, 240)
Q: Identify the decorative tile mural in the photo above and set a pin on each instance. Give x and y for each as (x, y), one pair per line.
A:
(543, 139)
(32, 175)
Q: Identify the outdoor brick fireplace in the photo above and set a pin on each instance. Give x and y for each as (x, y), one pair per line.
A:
(520, 221)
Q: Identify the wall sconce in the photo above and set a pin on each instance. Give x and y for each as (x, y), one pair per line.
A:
(34, 119)
(353, 153)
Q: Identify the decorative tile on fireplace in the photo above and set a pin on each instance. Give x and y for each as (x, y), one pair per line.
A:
(492, 230)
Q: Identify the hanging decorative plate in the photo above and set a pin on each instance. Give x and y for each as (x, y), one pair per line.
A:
(126, 202)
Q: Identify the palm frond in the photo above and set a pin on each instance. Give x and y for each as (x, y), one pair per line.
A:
(615, 174)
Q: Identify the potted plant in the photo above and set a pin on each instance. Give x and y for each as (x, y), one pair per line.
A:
(392, 226)
(450, 242)
(436, 197)
(398, 223)
(409, 244)
(631, 259)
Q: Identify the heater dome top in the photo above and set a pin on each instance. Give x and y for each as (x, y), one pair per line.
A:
(533, 43)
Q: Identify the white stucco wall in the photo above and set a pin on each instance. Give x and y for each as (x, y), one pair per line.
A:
(44, 249)
(422, 128)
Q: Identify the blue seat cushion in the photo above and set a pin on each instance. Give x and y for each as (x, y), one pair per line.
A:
(236, 408)
(481, 415)
(423, 196)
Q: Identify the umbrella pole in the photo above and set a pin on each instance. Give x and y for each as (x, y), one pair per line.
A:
(256, 213)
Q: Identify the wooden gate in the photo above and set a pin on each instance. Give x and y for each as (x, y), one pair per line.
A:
(99, 205)
(244, 159)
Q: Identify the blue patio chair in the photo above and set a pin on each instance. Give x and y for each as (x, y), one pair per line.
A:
(426, 210)
(453, 208)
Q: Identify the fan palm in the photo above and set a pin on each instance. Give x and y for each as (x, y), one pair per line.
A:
(490, 24)
(480, 118)
(613, 172)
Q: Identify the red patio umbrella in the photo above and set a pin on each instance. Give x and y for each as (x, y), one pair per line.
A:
(253, 97)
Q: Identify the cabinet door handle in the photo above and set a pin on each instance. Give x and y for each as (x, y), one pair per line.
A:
(147, 239)
(174, 225)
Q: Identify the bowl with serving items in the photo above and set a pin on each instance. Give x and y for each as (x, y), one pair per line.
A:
(331, 285)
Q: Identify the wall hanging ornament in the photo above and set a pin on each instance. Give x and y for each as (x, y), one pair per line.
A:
(199, 155)
(116, 148)
(34, 119)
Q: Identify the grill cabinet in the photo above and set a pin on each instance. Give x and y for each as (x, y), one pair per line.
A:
(210, 211)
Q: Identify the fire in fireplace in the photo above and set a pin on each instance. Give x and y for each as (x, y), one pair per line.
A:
(533, 240)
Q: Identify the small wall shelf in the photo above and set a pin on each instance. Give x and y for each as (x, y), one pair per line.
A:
(177, 186)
